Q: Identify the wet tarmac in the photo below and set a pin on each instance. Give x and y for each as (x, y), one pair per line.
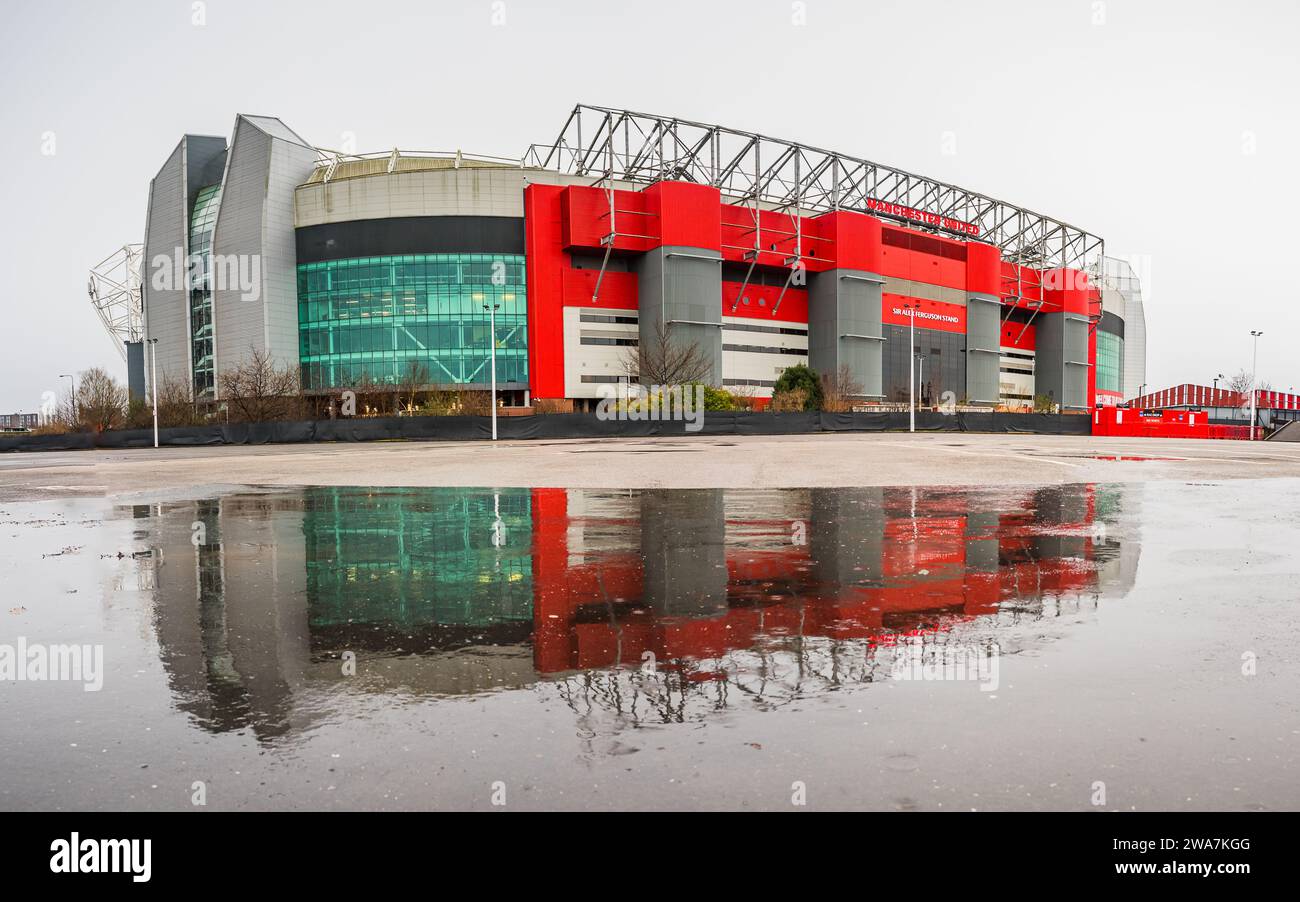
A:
(1076, 646)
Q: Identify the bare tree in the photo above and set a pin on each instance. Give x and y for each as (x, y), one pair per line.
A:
(666, 360)
(101, 401)
(414, 379)
(176, 403)
(840, 391)
(1239, 381)
(259, 390)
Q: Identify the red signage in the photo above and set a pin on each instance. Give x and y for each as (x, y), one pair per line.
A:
(930, 219)
(929, 314)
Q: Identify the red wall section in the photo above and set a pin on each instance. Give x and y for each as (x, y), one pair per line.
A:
(690, 215)
(922, 258)
(618, 290)
(793, 309)
(545, 264)
(892, 302)
(1066, 289)
(585, 217)
(1031, 285)
(983, 268)
(1011, 337)
(854, 240)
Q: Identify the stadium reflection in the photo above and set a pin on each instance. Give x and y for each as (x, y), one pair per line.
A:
(274, 610)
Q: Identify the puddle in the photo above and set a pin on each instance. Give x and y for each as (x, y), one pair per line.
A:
(401, 648)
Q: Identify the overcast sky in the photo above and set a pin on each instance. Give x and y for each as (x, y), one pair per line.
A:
(1168, 128)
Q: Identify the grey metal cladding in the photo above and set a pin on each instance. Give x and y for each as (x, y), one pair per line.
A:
(682, 286)
(983, 348)
(239, 324)
(166, 244)
(165, 309)
(844, 326)
(291, 164)
(254, 236)
(1061, 365)
(1075, 374)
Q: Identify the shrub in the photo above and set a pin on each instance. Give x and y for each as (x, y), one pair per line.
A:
(789, 400)
(718, 399)
(802, 378)
(543, 406)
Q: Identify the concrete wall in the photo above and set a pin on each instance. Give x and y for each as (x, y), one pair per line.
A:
(437, 192)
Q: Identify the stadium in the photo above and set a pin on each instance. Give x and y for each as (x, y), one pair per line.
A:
(624, 231)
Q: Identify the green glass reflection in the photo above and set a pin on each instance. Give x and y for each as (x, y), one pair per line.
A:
(415, 559)
(374, 317)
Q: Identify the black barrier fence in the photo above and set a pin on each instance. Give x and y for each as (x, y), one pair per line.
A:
(550, 426)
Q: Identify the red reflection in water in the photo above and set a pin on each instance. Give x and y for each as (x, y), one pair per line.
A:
(904, 564)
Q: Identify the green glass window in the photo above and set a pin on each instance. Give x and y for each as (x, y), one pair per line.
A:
(203, 219)
(376, 317)
(1110, 361)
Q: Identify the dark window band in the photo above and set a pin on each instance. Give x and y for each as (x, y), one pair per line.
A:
(1112, 324)
(410, 235)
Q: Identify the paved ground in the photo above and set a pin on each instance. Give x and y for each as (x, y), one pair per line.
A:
(730, 461)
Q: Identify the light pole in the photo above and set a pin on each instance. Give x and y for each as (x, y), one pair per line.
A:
(492, 327)
(911, 370)
(153, 385)
(72, 398)
(1254, 359)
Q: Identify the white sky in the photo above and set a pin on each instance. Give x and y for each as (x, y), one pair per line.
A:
(1170, 129)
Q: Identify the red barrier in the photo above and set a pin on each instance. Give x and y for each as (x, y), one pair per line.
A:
(1135, 423)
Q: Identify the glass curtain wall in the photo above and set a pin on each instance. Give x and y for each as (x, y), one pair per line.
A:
(377, 318)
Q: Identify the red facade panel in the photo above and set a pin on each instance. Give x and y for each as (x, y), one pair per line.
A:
(983, 269)
(618, 290)
(690, 215)
(545, 263)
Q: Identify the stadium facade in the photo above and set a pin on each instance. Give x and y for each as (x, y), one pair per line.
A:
(626, 230)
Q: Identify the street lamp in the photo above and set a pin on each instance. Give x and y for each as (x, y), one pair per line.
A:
(911, 370)
(153, 384)
(1254, 359)
(72, 398)
(492, 327)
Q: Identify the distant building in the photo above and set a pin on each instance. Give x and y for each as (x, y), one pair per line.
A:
(14, 421)
(1272, 408)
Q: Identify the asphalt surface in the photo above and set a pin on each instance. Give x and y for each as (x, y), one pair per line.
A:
(704, 462)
